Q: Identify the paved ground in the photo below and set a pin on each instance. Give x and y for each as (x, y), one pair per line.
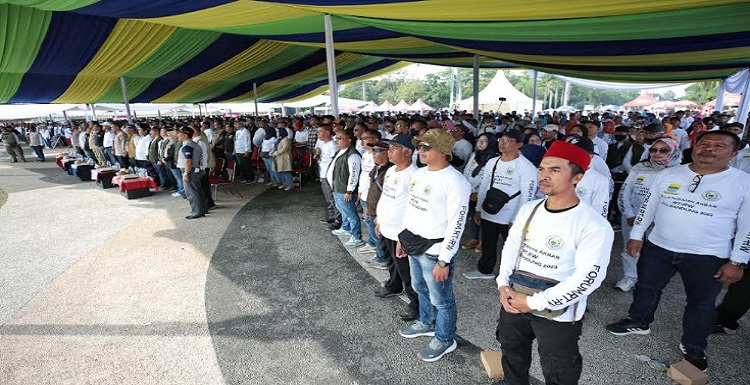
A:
(99, 289)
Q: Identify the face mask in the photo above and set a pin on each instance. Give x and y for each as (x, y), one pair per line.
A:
(620, 138)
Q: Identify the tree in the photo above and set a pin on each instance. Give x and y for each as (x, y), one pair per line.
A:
(668, 96)
(702, 92)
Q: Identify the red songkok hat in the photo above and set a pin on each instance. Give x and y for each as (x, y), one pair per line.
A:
(570, 152)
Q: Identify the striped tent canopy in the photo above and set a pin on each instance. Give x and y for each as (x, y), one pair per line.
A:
(187, 51)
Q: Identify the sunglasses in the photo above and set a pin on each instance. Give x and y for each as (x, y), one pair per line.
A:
(379, 150)
(454, 130)
(662, 150)
(424, 147)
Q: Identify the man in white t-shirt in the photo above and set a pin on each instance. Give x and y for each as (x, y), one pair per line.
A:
(701, 228)
(560, 239)
(433, 222)
(594, 189)
(462, 149)
(325, 150)
(389, 222)
(515, 176)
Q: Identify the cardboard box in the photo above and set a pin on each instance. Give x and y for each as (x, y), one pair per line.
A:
(686, 374)
(491, 359)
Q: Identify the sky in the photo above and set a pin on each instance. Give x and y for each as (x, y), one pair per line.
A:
(421, 70)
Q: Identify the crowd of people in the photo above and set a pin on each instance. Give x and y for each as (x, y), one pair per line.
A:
(540, 198)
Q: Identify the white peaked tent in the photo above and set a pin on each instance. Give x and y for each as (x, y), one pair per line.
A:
(385, 107)
(402, 106)
(370, 107)
(420, 106)
(500, 87)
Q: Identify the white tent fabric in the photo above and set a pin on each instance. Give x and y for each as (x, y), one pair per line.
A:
(402, 106)
(739, 83)
(370, 107)
(613, 86)
(497, 88)
(325, 100)
(385, 107)
(420, 106)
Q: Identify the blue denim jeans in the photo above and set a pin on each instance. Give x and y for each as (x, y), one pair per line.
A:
(349, 216)
(437, 304)
(178, 178)
(269, 166)
(656, 267)
(286, 178)
(372, 239)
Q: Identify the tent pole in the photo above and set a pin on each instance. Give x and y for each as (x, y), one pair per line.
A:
(720, 97)
(65, 115)
(476, 87)
(255, 97)
(158, 114)
(533, 96)
(124, 87)
(331, 61)
(93, 111)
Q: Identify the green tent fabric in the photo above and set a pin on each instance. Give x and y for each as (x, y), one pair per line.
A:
(76, 51)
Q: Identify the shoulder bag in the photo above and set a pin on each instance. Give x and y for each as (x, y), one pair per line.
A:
(496, 198)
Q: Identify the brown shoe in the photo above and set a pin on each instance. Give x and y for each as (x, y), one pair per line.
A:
(478, 249)
(470, 245)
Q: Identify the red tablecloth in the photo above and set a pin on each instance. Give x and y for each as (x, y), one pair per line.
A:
(58, 160)
(61, 160)
(135, 183)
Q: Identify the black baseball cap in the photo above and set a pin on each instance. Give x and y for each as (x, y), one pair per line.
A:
(513, 134)
(400, 139)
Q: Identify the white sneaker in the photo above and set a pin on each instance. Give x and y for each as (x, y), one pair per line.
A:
(340, 232)
(366, 249)
(176, 195)
(261, 180)
(353, 242)
(626, 284)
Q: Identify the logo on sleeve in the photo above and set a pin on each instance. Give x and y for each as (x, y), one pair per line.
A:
(554, 242)
(711, 195)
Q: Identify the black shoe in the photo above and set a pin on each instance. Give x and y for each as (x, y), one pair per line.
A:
(410, 314)
(627, 326)
(382, 292)
(193, 216)
(721, 329)
(696, 357)
(334, 226)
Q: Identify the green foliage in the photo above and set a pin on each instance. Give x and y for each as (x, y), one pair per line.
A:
(434, 89)
(702, 92)
(668, 96)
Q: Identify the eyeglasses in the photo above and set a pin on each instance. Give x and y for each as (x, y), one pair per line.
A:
(424, 147)
(696, 181)
(455, 130)
(336, 137)
(367, 137)
(506, 140)
(662, 150)
(379, 150)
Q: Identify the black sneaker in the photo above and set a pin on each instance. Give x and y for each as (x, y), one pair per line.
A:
(721, 329)
(695, 357)
(627, 326)
(382, 292)
(334, 226)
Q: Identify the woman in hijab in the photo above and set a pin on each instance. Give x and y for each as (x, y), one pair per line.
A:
(485, 149)
(532, 148)
(282, 155)
(664, 153)
(266, 148)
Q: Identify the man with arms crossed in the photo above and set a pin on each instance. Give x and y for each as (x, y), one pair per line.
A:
(567, 241)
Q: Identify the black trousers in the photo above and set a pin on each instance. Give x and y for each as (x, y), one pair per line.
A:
(558, 348)
(206, 189)
(491, 233)
(735, 304)
(400, 273)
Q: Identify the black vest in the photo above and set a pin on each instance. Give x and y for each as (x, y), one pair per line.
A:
(616, 155)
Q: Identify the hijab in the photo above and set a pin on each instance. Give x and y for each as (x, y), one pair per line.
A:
(482, 156)
(674, 159)
(270, 133)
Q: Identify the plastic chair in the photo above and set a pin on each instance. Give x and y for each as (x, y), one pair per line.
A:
(301, 164)
(216, 181)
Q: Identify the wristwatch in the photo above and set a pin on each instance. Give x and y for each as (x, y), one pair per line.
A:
(442, 263)
(741, 265)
